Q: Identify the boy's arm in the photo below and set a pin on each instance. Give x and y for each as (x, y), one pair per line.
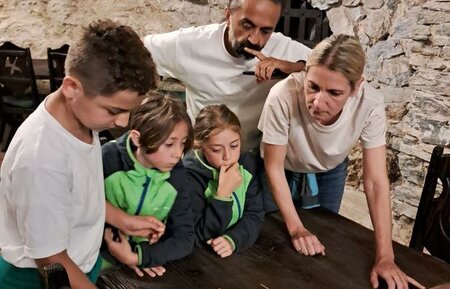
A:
(245, 232)
(178, 239)
(133, 225)
(78, 280)
(211, 216)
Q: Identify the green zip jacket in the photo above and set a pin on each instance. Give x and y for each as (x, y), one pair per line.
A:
(149, 192)
(239, 219)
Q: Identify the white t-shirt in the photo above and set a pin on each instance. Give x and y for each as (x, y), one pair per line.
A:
(312, 147)
(197, 56)
(51, 195)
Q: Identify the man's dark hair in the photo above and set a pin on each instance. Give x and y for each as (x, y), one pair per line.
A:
(109, 57)
(238, 3)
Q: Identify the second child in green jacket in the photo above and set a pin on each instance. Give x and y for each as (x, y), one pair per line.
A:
(226, 200)
(144, 176)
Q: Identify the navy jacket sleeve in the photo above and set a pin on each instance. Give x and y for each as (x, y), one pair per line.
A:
(245, 232)
(211, 216)
(178, 239)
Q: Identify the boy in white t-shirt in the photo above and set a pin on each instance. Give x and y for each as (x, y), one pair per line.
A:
(52, 207)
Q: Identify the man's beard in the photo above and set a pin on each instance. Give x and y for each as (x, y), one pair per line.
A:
(240, 51)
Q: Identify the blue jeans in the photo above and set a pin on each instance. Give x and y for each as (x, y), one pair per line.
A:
(330, 183)
(331, 186)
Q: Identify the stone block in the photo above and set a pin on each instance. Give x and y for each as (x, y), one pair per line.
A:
(431, 104)
(408, 193)
(402, 229)
(385, 49)
(323, 4)
(440, 40)
(394, 72)
(425, 50)
(396, 94)
(396, 111)
(419, 60)
(411, 168)
(351, 3)
(433, 17)
(400, 208)
(373, 4)
(437, 5)
(407, 146)
(343, 19)
(442, 29)
(376, 24)
(404, 19)
(429, 80)
(420, 32)
(446, 52)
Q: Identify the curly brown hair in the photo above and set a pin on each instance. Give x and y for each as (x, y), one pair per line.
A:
(156, 118)
(109, 57)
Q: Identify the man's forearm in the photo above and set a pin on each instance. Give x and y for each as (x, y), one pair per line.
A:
(78, 279)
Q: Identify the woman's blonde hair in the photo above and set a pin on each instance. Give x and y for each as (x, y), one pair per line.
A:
(213, 119)
(341, 53)
(156, 118)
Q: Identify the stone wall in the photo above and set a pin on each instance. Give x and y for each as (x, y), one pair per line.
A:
(407, 44)
(51, 23)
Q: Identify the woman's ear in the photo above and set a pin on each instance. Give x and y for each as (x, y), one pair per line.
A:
(357, 85)
(135, 136)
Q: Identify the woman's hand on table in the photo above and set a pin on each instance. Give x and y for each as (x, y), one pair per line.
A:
(386, 269)
(307, 243)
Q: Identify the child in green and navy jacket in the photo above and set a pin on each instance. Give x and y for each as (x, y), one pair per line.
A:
(144, 176)
(226, 200)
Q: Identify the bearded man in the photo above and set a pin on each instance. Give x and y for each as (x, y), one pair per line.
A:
(210, 61)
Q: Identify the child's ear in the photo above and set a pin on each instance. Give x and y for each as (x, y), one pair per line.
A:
(135, 136)
(71, 87)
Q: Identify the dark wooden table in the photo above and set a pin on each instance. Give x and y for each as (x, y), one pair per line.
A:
(272, 262)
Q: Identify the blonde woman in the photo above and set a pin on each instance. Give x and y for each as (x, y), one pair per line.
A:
(310, 122)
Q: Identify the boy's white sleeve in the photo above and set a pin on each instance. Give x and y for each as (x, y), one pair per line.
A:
(42, 198)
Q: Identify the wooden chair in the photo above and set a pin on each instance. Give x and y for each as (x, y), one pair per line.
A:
(18, 90)
(56, 58)
(300, 21)
(432, 226)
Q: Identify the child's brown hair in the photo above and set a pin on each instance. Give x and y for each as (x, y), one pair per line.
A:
(213, 119)
(156, 118)
(108, 58)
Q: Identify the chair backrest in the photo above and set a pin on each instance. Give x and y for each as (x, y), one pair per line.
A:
(300, 21)
(432, 226)
(56, 58)
(16, 72)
